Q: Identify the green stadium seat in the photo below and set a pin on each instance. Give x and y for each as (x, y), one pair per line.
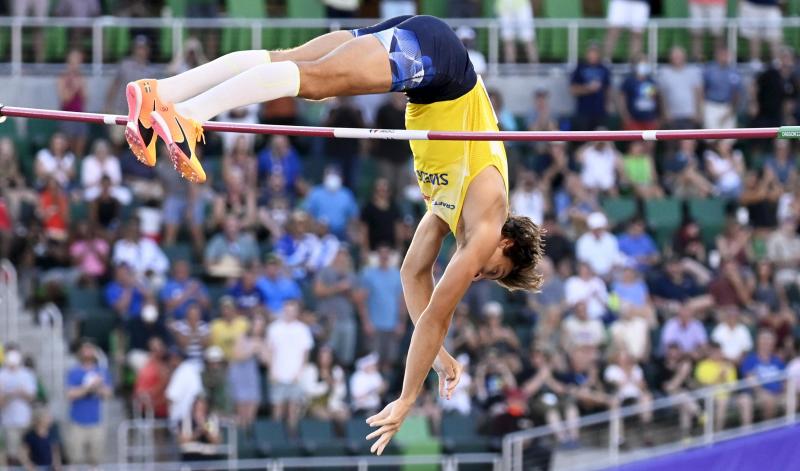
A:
(40, 131)
(178, 251)
(663, 216)
(98, 327)
(619, 210)
(459, 434)
(553, 42)
(710, 216)
(84, 299)
(670, 37)
(56, 41)
(356, 429)
(304, 9)
(433, 7)
(271, 440)
(234, 39)
(415, 438)
(318, 438)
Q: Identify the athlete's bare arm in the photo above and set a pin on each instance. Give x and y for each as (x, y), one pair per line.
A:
(484, 212)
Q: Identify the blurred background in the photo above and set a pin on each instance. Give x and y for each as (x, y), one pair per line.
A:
(254, 321)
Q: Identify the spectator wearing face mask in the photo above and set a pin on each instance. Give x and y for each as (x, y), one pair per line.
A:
(17, 390)
(333, 204)
(637, 99)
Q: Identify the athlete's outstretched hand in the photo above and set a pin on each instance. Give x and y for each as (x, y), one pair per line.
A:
(388, 422)
(449, 371)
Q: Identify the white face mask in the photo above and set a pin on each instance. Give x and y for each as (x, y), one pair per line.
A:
(332, 182)
(642, 69)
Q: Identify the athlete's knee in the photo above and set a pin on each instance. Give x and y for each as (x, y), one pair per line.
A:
(314, 85)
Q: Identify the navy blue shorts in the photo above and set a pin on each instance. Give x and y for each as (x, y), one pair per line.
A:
(429, 63)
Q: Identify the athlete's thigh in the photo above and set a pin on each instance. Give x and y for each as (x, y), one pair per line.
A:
(313, 49)
(357, 67)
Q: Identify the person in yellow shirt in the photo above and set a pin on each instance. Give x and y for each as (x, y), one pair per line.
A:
(229, 327)
(464, 183)
(716, 370)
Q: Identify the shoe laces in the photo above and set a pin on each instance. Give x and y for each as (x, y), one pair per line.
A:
(198, 130)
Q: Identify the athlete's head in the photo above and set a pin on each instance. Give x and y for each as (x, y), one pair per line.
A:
(514, 263)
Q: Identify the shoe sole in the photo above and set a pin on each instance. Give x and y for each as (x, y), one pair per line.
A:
(135, 141)
(180, 161)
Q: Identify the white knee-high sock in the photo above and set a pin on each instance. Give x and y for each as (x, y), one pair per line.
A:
(195, 81)
(258, 84)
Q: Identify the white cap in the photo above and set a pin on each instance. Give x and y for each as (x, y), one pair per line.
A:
(214, 353)
(366, 361)
(149, 313)
(13, 358)
(597, 220)
(465, 32)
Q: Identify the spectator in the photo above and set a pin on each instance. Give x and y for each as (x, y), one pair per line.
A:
(37, 9)
(143, 255)
(587, 288)
(530, 197)
(88, 385)
(72, 94)
(467, 37)
(280, 158)
(141, 329)
(89, 252)
(341, 8)
(460, 401)
(228, 328)
(766, 294)
(335, 288)
(288, 345)
(200, 433)
(681, 91)
(582, 331)
(574, 203)
(184, 205)
(775, 92)
(598, 248)
(182, 290)
(54, 210)
(760, 20)
(382, 310)
(240, 163)
(638, 170)
(277, 288)
(152, 379)
(244, 377)
(332, 204)
(191, 334)
(557, 246)
(493, 335)
(734, 243)
(18, 391)
(237, 200)
(193, 54)
(762, 365)
(682, 176)
(547, 394)
(132, 68)
(686, 333)
(688, 242)
(637, 245)
(41, 445)
(726, 167)
(392, 157)
(185, 385)
(215, 380)
(101, 163)
(325, 386)
(229, 252)
(105, 211)
(246, 295)
(55, 161)
(706, 15)
(392, 8)
(680, 283)
(381, 217)
(343, 153)
(629, 14)
(783, 250)
(516, 24)
(366, 386)
(674, 379)
(600, 162)
(626, 379)
(722, 88)
(493, 380)
(589, 84)
(551, 297)
(638, 98)
(632, 330)
(732, 336)
(124, 294)
(782, 164)
(716, 370)
(760, 196)
(732, 286)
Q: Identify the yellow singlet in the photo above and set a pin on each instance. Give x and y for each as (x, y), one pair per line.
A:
(444, 169)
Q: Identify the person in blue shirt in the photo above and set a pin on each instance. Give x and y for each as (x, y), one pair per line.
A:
(276, 287)
(246, 293)
(638, 98)
(382, 310)
(332, 204)
(281, 158)
(763, 365)
(182, 290)
(637, 244)
(88, 385)
(722, 87)
(589, 84)
(124, 294)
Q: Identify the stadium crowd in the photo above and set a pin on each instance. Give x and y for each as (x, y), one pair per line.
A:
(274, 290)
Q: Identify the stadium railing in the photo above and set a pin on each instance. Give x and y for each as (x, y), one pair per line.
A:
(9, 302)
(577, 31)
(605, 429)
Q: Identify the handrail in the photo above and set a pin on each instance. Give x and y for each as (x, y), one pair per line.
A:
(56, 367)
(492, 25)
(9, 301)
(512, 443)
(147, 449)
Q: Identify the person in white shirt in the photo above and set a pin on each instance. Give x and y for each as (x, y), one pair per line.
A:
(102, 163)
(579, 330)
(598, 247)
(461, 400)
(184, 386)
(56, 161)
(17, 392)
(732, 336)
(631, 332)
(588, 289)
(366, 386)
(626, 378)
(467, 37)
(529, 198)
(143, 255)
(289, 342)
(599, 165)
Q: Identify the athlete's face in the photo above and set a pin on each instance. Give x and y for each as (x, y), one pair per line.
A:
(498, 266)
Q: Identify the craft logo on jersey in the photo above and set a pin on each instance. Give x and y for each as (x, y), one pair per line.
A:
(439, 179)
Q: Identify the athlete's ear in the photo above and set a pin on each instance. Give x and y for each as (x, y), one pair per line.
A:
(505, 243)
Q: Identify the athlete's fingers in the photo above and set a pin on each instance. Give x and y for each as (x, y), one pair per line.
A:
(442, 385)
(381, 443)
(384, 421)
(453, 382)
(380, 415)
(385, 429)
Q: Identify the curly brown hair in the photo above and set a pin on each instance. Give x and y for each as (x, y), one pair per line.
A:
(525, 253)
